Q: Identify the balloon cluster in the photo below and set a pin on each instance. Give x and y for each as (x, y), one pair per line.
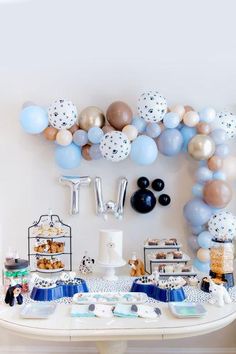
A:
(119, 134)
(143, 200)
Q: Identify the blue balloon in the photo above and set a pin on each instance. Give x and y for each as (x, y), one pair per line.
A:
(204, 239)
(171, 120)
(68, 157)
(219, 136)
(192, 242)
(80, 137)
(219, 175)
(95, 135)
(207, 115)
(153, 130)
(139, 124)
(203, 174)
(34, 119)
(170, 142)
(203, 267)
(95, 152)
(143, 150)
(222, 150)
(196, 212)
(187, 133)
(197, 190)
(198, 229)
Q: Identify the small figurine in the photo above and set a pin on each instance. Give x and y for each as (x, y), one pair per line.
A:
(14, 293)
(137, 267)
(86, 265)
(220, 295)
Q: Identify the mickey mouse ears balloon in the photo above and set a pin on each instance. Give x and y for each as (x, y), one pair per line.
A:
(222, 225)
(115, 146)
(62, 114)
(152, 106)
(227, 121)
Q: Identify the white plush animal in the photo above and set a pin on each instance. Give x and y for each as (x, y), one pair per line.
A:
(219, 294)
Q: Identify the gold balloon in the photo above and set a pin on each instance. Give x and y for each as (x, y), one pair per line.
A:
(201, 147)
(91, 117)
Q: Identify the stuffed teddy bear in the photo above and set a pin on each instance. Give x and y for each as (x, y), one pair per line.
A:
(14, 293)
(219, 294)
(137, 267)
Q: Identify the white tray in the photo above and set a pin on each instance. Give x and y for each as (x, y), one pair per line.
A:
(178, 274)
(187, 309)
(111, 298)
(49, 270)
(162, 247)
(37, 310)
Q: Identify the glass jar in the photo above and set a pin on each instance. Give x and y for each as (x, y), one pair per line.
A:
(222, 256)
(16, 271)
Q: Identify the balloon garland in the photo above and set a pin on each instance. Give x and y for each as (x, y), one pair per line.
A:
(92, 135)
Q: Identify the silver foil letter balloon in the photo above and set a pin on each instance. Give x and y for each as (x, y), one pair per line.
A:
(110, 207)
(74, 182)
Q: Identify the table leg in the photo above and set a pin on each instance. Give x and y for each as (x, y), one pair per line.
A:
(112, 347)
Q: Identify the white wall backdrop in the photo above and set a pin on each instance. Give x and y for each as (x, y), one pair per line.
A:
(95, 52)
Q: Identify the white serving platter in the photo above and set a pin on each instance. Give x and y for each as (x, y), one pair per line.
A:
(162, 246)
(184, 259)
(38, 310)
(111, 298)
(49, 270)
(48, 254)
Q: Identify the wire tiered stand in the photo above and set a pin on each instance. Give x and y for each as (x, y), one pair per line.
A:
(53, 221)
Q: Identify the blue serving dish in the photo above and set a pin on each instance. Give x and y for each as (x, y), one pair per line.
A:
(174, 295)
(59, 291)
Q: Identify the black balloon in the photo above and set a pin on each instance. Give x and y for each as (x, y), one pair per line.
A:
(143, 182)
(143, 201)
(164, 199)
(158, 184)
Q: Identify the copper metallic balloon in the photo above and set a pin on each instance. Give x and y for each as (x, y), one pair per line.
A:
(201, 147)
(74, 128)
(188, 108)
(91, 117)
(217, 193)
(50, 133)
(203, 128)
(107, 129)
(215, 163)
(119, 114)
(85, 152)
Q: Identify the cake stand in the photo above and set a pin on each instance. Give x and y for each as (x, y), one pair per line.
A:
(110, 270)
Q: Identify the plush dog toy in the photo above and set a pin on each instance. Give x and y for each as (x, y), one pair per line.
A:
(137, 267)
(219, 294)
(86, 265)
(14, 293)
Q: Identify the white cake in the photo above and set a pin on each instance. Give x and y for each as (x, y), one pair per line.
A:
(110, 248)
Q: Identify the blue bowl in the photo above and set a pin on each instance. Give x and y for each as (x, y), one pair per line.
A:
(61, 290)
(174, 295)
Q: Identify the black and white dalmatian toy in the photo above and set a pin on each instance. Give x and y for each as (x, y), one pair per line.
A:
(86, 265)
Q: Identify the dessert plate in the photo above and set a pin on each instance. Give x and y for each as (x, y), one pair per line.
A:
(49, 270)
(187, 309)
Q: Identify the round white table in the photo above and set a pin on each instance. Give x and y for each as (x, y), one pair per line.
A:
(112, 335)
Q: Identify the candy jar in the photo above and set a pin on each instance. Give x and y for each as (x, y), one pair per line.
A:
(16, 271)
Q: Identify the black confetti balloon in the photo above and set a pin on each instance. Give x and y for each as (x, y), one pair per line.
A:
(158, 184)
(143, 182)
(164, 199)
(143, 201)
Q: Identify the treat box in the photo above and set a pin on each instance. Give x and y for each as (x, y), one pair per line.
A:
(37, 310)
(184, 259)
(111, 298)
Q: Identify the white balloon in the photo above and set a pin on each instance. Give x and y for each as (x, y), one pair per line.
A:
(62, 114)
(227, 121)
(130, 131)
(152, 106)
(178, 108)
(222, 225)
(203, 254)
(115, 146)
(64, 137)
(191, 118)
(229, 167)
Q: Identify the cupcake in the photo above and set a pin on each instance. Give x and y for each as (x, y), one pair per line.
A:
(178, 254)
(160, 255)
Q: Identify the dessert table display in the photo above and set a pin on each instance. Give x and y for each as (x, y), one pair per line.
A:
(111, 334)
